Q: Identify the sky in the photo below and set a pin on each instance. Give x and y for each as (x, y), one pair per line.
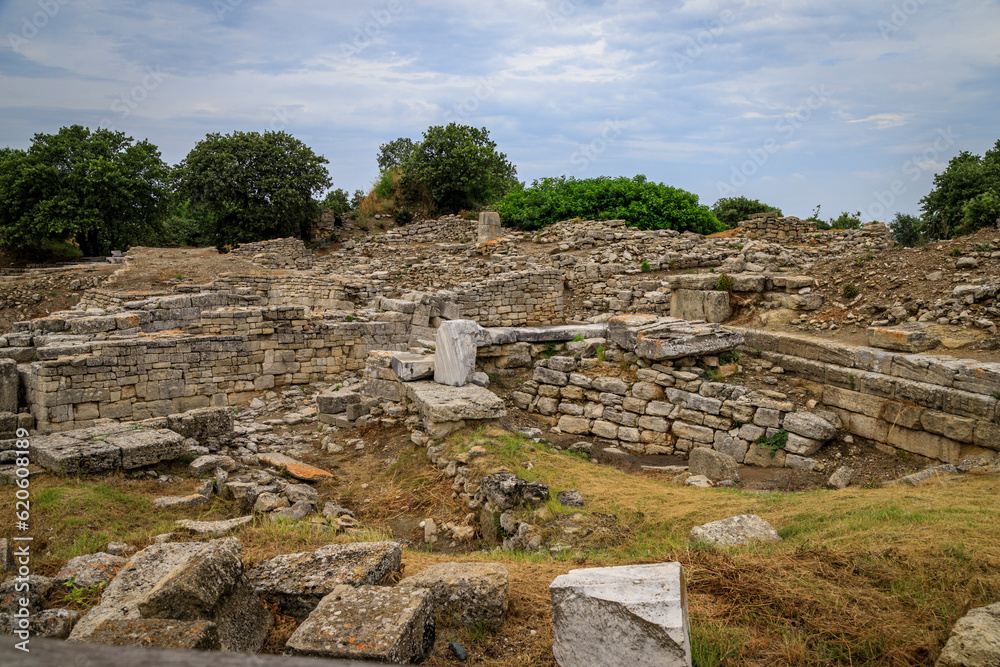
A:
(852, 105)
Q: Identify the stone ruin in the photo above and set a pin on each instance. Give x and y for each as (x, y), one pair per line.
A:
(124, 382)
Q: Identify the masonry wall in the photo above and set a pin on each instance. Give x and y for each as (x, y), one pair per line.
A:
(241, 353)
(939, 407)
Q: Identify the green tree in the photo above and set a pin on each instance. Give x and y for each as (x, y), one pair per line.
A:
(732, 210)
(101, 190)
(336, 201)
(905, 229)
(636, 200)
(393, 154)
(456, 167)
(965, 195)
(248, 186)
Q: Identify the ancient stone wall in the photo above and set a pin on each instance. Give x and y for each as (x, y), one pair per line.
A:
(242, 351)
(770, 226)
(943, 408)
(289, 253)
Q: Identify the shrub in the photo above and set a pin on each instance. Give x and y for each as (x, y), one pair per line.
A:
(732, 210)
(402, 217)
(644, 267)
(850, 291)
(724, 283)
(637, 201)
(775, 442)
(955, 252)
(906, 229)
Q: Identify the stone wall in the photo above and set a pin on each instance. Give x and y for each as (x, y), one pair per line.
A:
(243, 351)
(770, 226)
(288, 253)
(943, 408)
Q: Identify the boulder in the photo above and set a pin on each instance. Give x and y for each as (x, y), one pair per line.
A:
(191, 581)
(808, 425)
(158, 633)
(374, 623)
(640, 611)
(50, 623)
(841, 478)
(974, 641)
(471, 593)
(714, 465)
(507, 491)
(299, 581)
(203, 423)
(89, 570)
(735, 531)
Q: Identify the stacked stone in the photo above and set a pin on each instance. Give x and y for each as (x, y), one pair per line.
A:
(529, 298)
(670, 410)
(770, 226)
(277, 253)
(448, 229)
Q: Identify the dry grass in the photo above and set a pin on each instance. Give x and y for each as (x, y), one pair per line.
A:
(863, 576)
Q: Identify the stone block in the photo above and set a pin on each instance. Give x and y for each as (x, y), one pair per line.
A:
(8, 385)
(297, 582)
(294, 467)
(764, 457)
(708, 305)
(471, 593)
(202, 423)
(455, 352)
(371, 623)
(335, 402)
(974, 640)
(439, 403)
(736, 530)
(714, 465)
(89, 570)
(409, 367)
(574, 425)
(691, 432)
(640, 609)
(549, 376)
(489, 227)
(68, 456)
(158, 633)
(802, 446)
(808, 425)
(144, 448)
(908, 337)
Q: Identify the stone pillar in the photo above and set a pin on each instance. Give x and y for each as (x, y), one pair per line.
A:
(455, 352)
(489, 227)
(8, 385)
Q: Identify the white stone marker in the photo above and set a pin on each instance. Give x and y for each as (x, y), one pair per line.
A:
(489, 227)
(634, 615)
(455, 352)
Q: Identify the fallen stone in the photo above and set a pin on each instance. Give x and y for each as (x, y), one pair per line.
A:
(507, 491)
(409, 367)
(572, 498)
(368, 623)
(194, 581)
(209, 462)
(641, 611)
(974, 641)
(296, 469)
(735, 530)
(809, 425)
(212, 528)
(89, 570)
(297, 582)
(841, 478)
(202, 423)
(698, 481)
(168, 502)
(471, 593)
(906, 337)
(50, 623)
(438, 403)
(268, 502)
(716, 466)
(335, 402)
(296, 512)
(657, 339)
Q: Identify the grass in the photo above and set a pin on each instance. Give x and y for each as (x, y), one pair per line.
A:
(863, 576)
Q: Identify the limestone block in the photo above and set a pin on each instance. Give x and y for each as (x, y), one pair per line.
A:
(144, 448)
(488, 227)
(712, 464)
(299, 581)
(8, 385)
(735, 530)
(89, 570)
(610, 385)
(335, 402)
(710, 306)
(203, 423)
(295, 468)
(808, 425)
(692, 432)
(409, 367)
(455, 352)
(641, 610)
(549, 376)
(802, 446)
(764, 457)
(158, 633)
(473, 593)
(907, 337)
(438, 403)
(376, 623)
(66, 455)
(574, 425)
(507, 491)
(974, 641)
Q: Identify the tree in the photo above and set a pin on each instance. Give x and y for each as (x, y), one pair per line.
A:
(336, 201)
(965, 196)
(249, 186)
(636, 200)
(100, 190)
(906, 229)
(393, 154)
(732, 210)
(456, 167)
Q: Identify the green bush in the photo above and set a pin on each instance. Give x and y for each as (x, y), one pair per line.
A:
(640, 203)
(850, 291)
(966, 196)
(732, 210)
(906, 229)
(645, 267)
(725, 283)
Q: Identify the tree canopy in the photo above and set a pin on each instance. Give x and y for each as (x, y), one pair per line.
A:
(639, 202)
(101, 190)
(248, 186)
(732, 210)
(454, 167)
(965, 197)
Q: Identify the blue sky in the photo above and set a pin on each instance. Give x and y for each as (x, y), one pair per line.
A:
(853, 105)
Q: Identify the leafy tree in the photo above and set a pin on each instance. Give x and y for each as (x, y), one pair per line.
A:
(637, 201)
(101, 190)
(455, 167)
(336, 201)
(249, 186)
(732, 210)
(846, 221)
(965, 196)
(393, 154)
(905, 229)
(185, 226)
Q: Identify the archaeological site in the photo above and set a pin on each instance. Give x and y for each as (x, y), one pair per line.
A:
(452, 442)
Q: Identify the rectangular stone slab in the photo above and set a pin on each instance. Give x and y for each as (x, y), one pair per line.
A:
(507, 335)
(143, 448)
(656, 339)
(374, 623)
(67, 455)
(409, 367)
(903, 338)
(641, 610)
(441, 403)
(296, 469)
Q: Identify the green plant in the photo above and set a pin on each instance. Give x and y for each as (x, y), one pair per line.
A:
(756, 353)
(982, 247)
(644, 267)
(402, 217)
(732, 210)
(730, 357)
(739, 246)
(550, 350)
(996, 395)
(83, 597)
(850, 291)
(777, 441)
(180, 277)
(850, 380)
(600, 353)
(724, 283)
(955, 252)
(578, 338)
(349, 318)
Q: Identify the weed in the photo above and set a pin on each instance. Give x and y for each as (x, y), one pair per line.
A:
(725, 283)
(739, 246)
(850, 291)
(600, 353)
(477, 631)
(982, 247)
(578, 338)
(349, 318)
(497, 381)
(756, 353)
(713, 375)
(775, 442)
(180, 277)
(731, 357)
(550, 350)
(83, 597)
(902, 455)
(850, 379)
(955, 252)
(644, 267)
(713, 643)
